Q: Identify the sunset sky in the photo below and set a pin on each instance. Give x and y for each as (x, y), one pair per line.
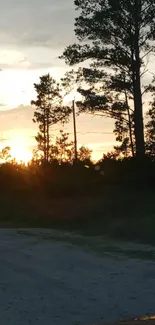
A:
(33, 34)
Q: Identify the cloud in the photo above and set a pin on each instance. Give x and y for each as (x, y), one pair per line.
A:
(2, 105)
(34, 33)
(47, 23)
(20, 117)
(26, 65)
(29, 59)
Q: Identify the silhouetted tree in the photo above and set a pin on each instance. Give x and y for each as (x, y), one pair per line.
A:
(123, 149)
(112, 155)
(124, 128)
(118, 35)
(54, 153)
(49, 110)
(37, 158)
(84, 154)
(150, 131)
(5, 155)
(62, 150)
(110, 100)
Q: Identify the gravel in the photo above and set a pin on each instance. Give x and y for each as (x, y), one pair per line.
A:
(54, 283)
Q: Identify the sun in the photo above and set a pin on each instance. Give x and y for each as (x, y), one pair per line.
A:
(19, 150)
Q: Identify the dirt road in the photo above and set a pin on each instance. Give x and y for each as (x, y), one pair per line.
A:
(50, 282)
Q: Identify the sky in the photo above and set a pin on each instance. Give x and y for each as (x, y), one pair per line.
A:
(33, 34)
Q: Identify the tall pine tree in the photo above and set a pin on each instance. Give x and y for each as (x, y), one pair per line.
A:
(49, 111)
(118, 35)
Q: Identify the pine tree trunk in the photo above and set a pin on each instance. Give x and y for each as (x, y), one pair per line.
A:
(130, 133)
(138, 106)
(45, 156)
(47, 136)
(48, 110)
(139, 125)
(130, 126)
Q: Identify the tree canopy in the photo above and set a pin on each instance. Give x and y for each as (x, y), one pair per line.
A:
(49, 111)
(116, 36)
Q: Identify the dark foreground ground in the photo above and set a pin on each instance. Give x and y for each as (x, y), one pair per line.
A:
(46, 279)
(117, 212)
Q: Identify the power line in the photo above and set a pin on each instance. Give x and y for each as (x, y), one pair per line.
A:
(82, 133)
(95, 133)
(88, 132)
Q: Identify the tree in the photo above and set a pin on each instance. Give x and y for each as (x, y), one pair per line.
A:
(118, 35)
(84, 154)
(124, 129)
(62, 150)
(5, 155)
(150, 131)
(116, 105)
(37, 158)
(49, 111)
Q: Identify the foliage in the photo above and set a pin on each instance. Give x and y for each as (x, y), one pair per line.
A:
(124, 148)
(150, 126)
(150, 131)
(84, 154)
(37, 158)
(49, 110)
(5, 155)
(62, 150)
(117, 35)
(124, 131)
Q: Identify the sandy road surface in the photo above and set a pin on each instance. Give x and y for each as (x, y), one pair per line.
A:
(46, 282)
